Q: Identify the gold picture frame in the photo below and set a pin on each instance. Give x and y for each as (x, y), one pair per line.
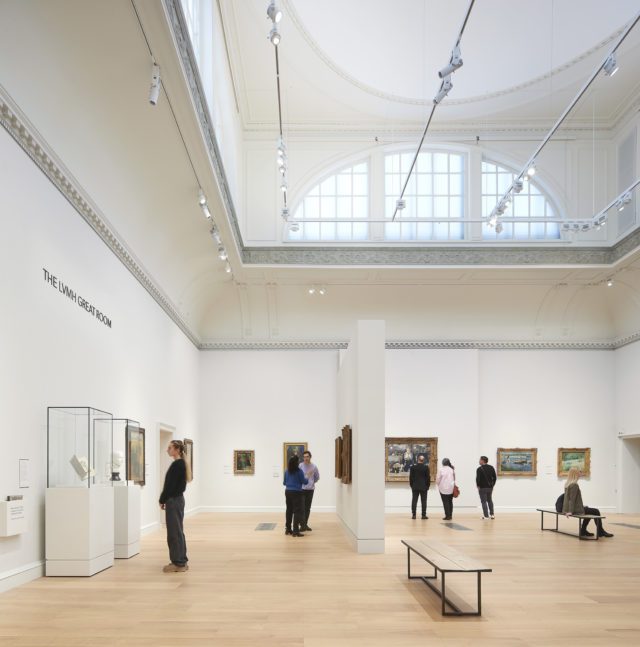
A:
(401, 453)
(188, 453)
(579, 457)
(347, 437)
(244, 461)
(516, 461)
(291, 449)
(338, 457)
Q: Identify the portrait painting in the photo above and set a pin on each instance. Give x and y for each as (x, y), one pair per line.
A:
(135, 454)
(574, 457)
(347, 435)
(244, 461)
(517, 462)
(401, 453)
(293, 449)
(188, 453)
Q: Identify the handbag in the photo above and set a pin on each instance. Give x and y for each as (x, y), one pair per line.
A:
(456, 491)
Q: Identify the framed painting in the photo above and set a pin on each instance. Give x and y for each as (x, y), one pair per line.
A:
(517, 462)
(401, 453)
(135, 454)
(188, 453)
(292, 449)
(338, 457)
(579, 457)
(346, 454)
(244, 461)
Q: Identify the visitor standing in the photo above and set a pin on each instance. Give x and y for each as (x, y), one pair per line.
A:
(446, 480)
(419, 477)
(313, 476)
(485, 480)
(293, 481)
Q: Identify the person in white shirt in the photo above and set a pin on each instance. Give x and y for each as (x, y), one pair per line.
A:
(445, 480)
(313, 476)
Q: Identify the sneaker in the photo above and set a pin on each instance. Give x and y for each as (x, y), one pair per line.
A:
(493, 516)
(484, 518)
(174, 568)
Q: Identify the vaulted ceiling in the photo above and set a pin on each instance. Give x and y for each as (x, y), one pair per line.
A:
(77, 73)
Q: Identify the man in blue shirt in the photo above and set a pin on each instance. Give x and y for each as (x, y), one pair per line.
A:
(313, 476)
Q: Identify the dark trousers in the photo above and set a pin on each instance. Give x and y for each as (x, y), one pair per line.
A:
(308, 498)
(585, 522)
(447, 502)
(486, 500)
(423, 500)
(295, 509)
(174, 509)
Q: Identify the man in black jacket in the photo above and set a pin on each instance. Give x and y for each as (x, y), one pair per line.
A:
(485, 480)
(419, 478)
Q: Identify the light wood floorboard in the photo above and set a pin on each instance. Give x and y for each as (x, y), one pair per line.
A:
(262, 588)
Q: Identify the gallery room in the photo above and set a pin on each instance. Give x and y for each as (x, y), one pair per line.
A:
(320, 322)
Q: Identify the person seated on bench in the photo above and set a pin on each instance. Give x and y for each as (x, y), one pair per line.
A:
(573, 505)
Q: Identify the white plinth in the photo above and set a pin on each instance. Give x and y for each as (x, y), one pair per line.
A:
(79, 530)
(13, 518)
(127, 520)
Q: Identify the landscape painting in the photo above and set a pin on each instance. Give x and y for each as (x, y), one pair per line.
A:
(517, 462)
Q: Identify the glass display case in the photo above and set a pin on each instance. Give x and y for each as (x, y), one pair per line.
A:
(79, 447)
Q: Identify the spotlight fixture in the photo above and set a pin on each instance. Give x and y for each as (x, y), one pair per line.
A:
(493, 219)
(517, 185)
(401, 203)
(609, 282)
(499, 228)
(611, 64)
(294, 227)
(311, 290)
(222, 253)
(322, 291)
(531, 171)
(444, 90)
(455, 62)
(227, 268)
(154, 90)
(274, 36)
(283, 186)
(282, 170)
(623, 201)
(274, 13)
(285, 213)
(202, 198)
(215, 234)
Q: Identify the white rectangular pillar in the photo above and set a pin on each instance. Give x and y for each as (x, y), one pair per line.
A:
(127, 520)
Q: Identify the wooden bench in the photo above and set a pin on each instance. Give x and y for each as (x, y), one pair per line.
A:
(444, 559)
(579, 517)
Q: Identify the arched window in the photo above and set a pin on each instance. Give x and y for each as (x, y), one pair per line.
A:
(531, 204)
(339, 197)
(435, 192)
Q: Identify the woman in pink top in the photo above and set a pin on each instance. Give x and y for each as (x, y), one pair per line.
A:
(445, 480)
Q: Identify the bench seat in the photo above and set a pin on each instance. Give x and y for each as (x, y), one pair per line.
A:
(579, 517)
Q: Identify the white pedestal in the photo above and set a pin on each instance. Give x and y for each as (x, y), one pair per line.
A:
(79, 530)
(127, 520)
(13, 518)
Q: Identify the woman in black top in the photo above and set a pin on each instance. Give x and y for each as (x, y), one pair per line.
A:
(172, 502)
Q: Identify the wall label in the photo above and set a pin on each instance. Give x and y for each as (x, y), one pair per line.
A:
(72, 295)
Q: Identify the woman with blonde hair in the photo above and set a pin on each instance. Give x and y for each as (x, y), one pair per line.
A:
(573, 505)
(172, 501)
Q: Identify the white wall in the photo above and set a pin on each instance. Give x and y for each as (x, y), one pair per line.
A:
(361, 404)
(54, 353)
(259, 400)
(627, 426)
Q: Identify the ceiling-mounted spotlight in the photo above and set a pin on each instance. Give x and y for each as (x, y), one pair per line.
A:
(154, 90)
(517, 185)
(401, 203)
(586, 226)
(274, 36)
(227, 268)
(280, 160)
(202, 198)
(499, 228)
(282, 170)
(215, 234)
(322, 291)
(611, 64)
(311, 290)
(455, 62)
(274, 13)
(609, 282)
(283, 186)
(444, 90)
(493, 219)
(623, 201)
(222, 253)
(531, 171)
(285, 213)
(294, 226)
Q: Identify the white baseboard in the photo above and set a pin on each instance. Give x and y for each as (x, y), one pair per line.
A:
(21, 575)
(362, 546)
(150, 527)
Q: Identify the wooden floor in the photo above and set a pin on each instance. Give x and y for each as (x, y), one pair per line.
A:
(262, 588)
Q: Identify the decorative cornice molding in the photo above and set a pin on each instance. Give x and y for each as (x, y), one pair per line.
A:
(433, 256)
(424, 345)
(387, 96)
(182, 40)
(35, 146)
